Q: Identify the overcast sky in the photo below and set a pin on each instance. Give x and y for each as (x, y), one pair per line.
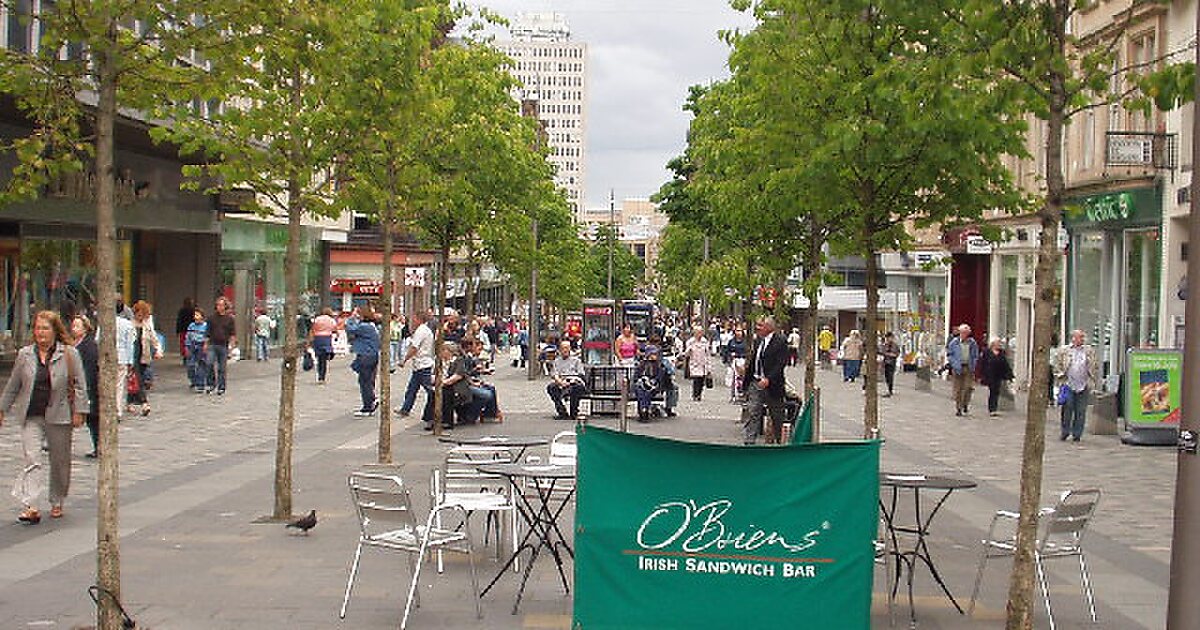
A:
(642, 56)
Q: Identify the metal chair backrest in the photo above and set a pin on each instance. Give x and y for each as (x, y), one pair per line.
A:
(460, 469)
(1064, 525)
(563, 449)
(381, 502)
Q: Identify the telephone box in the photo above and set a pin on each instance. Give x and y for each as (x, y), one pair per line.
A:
(598, 331)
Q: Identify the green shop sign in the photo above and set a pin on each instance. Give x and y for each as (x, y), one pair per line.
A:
(1139, 206)
(1153, 387)
(673, 534)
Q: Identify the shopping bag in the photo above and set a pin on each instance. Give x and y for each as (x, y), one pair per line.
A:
(307, 362)
(1064, 394)
(27, 487)
(132, 385)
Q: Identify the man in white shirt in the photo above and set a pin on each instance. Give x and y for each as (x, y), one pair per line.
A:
(420, 351)
(566, 372)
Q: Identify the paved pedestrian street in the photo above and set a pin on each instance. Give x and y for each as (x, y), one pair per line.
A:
(196, 478)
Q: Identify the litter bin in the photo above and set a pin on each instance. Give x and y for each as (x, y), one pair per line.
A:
(1102, 417)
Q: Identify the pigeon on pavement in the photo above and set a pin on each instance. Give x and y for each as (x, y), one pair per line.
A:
(305, 523)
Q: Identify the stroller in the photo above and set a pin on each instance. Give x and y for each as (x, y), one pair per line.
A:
(735, 379)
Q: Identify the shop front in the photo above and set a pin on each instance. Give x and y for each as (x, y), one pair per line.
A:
(1114, 272)
(167, 240)
(252, 268)
(356, 278)
(1010, 317)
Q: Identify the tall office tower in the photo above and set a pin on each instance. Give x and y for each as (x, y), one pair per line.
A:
(553, 73)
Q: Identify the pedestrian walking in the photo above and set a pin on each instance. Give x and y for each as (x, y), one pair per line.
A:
(125, 339)
(420, 352)
(263, 325)
(962, 354)
(146, 348)
(222, 337)
(363, 332)
(396, 330)
(995, 371)
(825, 340)
(793, 341)
(890, 351)
(195, 342)
(83, 334)
(851, 355)
(1077, 370)
(320, 339)
(183, 319)
(47, 395)
(765, 387)
(697, 362)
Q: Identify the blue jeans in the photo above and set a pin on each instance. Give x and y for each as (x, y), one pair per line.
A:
(850, 369)
(366, 365)
(218, 358)
(394, 358)
(420, 379)
(260, 347)
(483, 403)
(1074, 414)
(197, 364)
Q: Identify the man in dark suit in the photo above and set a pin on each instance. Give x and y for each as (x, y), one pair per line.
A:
(764, 380)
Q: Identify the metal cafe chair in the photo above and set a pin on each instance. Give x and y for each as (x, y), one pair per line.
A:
(459, 482)
(387, 521)
(1060, 535)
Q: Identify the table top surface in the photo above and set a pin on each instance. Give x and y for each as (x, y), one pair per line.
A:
(918, 480)
(532, 471)
(495, 440)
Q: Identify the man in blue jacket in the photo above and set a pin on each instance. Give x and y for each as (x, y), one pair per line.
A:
(962, 353)
(364, 343)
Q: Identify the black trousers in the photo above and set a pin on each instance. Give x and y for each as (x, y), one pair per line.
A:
(889, 376)
(697, 387)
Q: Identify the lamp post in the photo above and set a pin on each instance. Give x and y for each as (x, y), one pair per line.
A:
(612, 222)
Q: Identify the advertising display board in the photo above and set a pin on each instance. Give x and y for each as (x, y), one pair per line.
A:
(1153, 388)
(598, 331)
(680, 535)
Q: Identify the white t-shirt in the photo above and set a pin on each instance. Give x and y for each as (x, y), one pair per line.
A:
(422, 339)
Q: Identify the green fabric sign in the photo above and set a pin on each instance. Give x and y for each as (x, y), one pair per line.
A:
(1153, 387)
(804, 422)
(679, 535)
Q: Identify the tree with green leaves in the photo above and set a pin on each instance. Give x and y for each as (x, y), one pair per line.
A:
(71, 100)
(281, 138)
(381, 106)
(628, 269)
(482, 160)
(901, 137)
(1028, 52)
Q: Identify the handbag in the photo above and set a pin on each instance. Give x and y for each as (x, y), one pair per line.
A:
(708, 381)
(132, 386)
(307, 362)
(1064, 394)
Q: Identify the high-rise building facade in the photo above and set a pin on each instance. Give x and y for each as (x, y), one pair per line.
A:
(553, 74)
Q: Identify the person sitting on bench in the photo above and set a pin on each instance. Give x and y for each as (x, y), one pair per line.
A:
(649, 380)
(566, 372)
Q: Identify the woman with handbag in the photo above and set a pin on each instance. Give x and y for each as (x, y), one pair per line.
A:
(83, 334)
(697, 358)
(146, 349)
(47, 395)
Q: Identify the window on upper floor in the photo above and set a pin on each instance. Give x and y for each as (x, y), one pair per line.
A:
(18, 28)
(1087, 148)
(1142, 54)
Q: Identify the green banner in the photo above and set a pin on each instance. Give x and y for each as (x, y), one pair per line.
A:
(680, 535)
(1153, 387)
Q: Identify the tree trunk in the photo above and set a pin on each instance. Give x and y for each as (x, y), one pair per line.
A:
(1046, 300)
(108, 552)
(439, 338)
(385, 310)
(808, 333)
(287, 378)
(472, 285)
(870, 362)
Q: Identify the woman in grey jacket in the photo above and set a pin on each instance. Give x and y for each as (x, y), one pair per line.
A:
(47, 394)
